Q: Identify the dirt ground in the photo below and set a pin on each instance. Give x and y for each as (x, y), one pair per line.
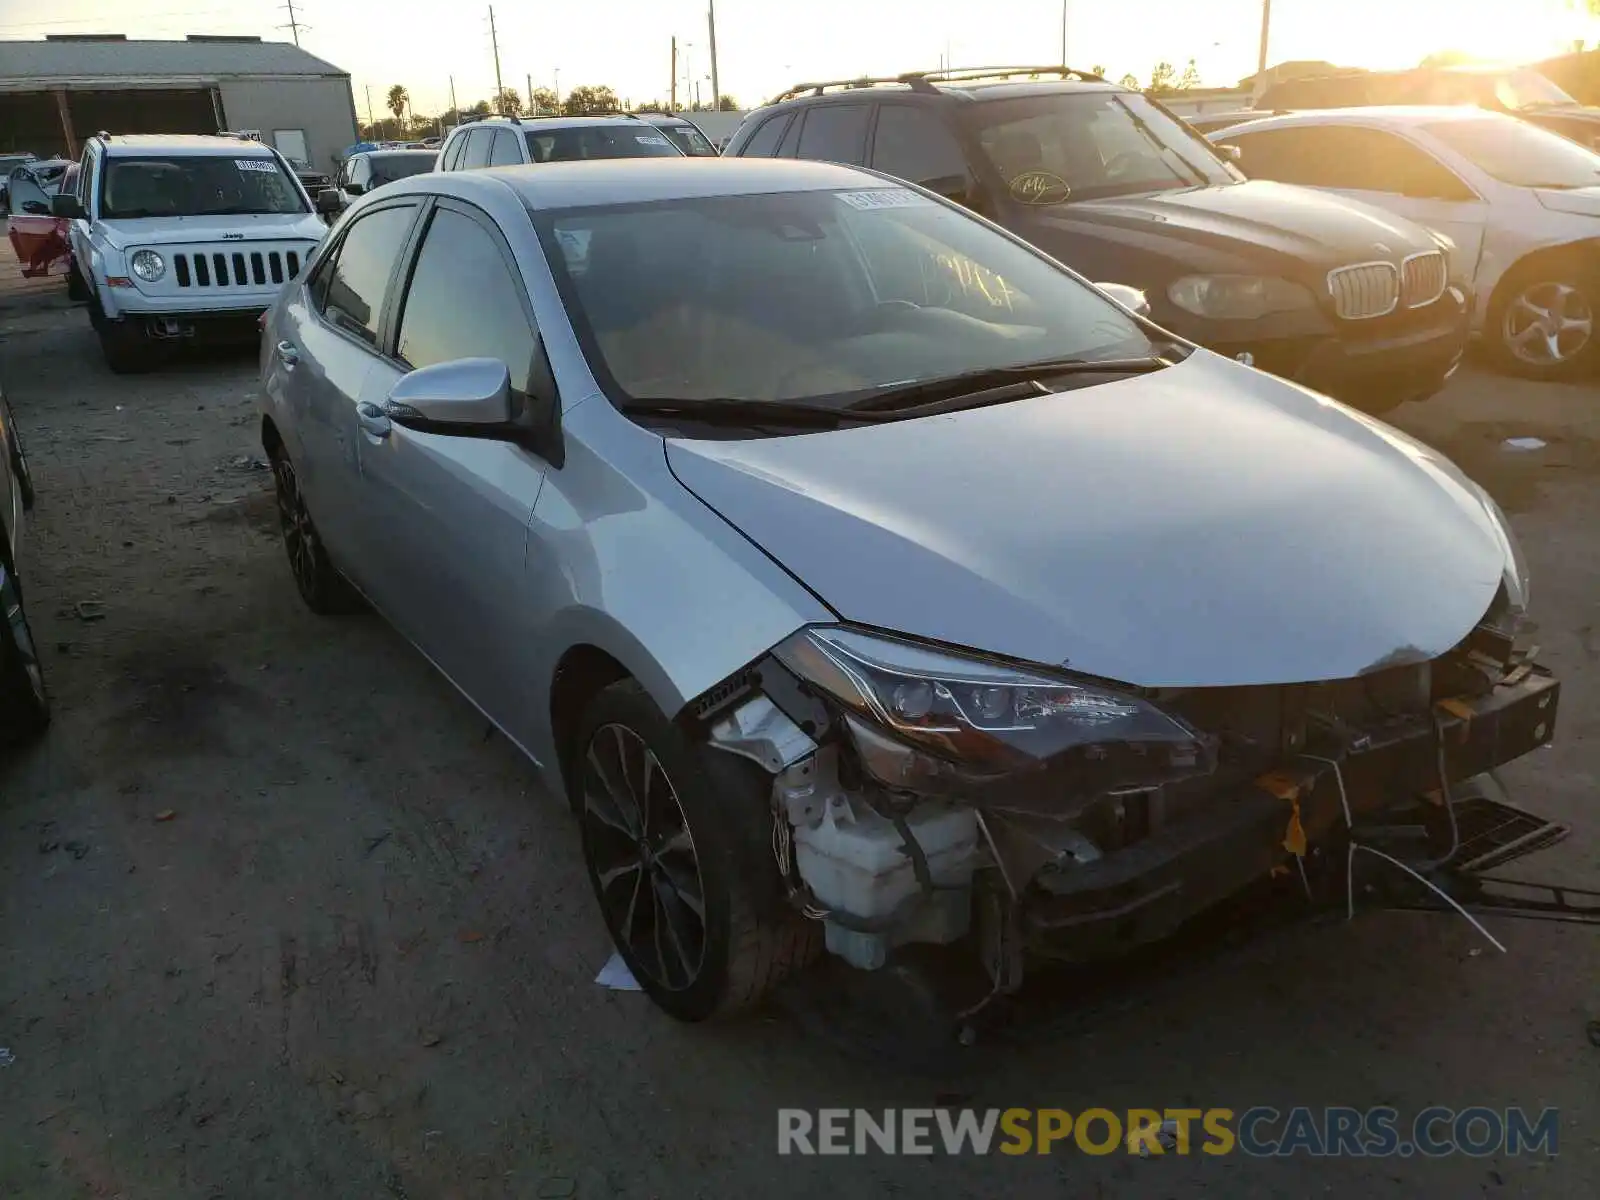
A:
(280, 917)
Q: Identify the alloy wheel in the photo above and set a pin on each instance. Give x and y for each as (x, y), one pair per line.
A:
(21, 636)
(1548, 324)
(643, 858)
(299, 535)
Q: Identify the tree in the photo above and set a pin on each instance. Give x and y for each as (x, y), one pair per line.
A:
(1098, 70)
(1162, 78)
(1130, 80)
(728, 103)
(652, 106)
(588, 99)
(510, 102)
(398, 99)
(1190, 77)
(544, 100)
(480, 109)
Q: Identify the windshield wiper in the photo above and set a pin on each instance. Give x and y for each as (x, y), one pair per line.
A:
(994, 385)
(747, 412)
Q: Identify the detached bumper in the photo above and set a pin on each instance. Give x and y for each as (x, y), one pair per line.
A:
(1143, 892)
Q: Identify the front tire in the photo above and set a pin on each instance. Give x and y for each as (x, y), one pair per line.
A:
(24, 701)
(126, 349)
(324, 590)
(1542, 323)
(667, 849)
(77, 289)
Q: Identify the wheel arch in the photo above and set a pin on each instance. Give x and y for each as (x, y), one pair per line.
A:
(581, 674)
(1559, 257)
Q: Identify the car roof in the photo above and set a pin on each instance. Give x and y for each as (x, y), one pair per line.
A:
(550, 122)
(966, 91)
(1376, 114)
(397, 152)
(184, 143)
(605, 181)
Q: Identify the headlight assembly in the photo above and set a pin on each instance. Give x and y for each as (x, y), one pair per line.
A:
(148, 265)
(933, 720)
(1238, 297)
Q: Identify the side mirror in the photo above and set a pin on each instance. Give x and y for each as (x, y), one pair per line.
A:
(328, 202)
(66, 207)
(1128, 296)
(354, 188)
(1231, 152)
(469, 396)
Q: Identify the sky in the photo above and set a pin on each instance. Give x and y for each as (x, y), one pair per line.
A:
(766, 45)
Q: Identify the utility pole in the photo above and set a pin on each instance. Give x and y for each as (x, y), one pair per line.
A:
(711, 27)
(371, 124)
(1064, 5)
(673, 102)
(499, 89)
(454, 107)
(1266, 26)
(528, 99)
(294, 21)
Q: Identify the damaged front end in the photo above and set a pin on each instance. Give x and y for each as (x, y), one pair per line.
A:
(924, 795)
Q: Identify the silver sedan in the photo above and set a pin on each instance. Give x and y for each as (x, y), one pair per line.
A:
(863, 576)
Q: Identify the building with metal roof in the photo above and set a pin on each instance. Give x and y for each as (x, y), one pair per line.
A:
(56, 91)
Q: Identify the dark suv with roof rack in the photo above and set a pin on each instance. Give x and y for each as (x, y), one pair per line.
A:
(1342, 297)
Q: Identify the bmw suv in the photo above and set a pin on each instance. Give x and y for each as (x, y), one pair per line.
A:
(1349, 300)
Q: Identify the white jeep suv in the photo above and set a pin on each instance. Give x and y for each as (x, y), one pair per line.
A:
(176, 238)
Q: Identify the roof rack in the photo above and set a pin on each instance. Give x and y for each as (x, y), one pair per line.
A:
(923, 81)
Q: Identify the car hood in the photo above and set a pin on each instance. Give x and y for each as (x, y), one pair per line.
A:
(1581, 202)
(166, 231)
(1206, 525)
(1299, 223)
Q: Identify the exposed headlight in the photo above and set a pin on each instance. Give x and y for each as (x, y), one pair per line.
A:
(1238, 297)
(148, 265)
(933, 720)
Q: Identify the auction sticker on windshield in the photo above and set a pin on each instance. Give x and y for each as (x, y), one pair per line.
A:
(575, 248)
(256, 164)
(883, 198)
(649, 140)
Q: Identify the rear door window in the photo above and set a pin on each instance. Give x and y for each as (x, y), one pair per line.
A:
(505, 151)
(453, 153)
(763, 142)
(359, 281)
(835, 133)
(913, 144)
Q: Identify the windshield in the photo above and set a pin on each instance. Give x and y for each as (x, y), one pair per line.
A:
(1529, 89)
(1520, 154)
(622, 140)
(1059, 146)
(196, 186)
(879, 288)
(388, 168)
(690, 140)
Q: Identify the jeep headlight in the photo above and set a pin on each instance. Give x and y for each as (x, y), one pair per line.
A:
(935, 720)
(148, 265)
(1238, 297)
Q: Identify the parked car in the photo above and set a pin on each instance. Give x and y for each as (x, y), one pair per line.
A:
(24, 701)
(929, 593)
(1520, 92)
(1209, 123)
(1521, 204)
(512, 141)
(37, 236)
(8, 162)
(685, 134)
(176, 238)
(1341, 297)
(362, 173)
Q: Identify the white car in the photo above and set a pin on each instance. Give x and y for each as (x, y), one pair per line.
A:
(178, 237)
(1521, 204)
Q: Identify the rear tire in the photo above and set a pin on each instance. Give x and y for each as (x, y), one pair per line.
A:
(325, 591)
(24, 700)
(663, 834)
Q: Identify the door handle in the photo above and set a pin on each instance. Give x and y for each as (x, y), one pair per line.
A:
(289, 353)
(374, 421)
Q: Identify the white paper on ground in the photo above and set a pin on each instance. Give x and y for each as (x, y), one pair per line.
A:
(616, 976)
(1523, 443)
